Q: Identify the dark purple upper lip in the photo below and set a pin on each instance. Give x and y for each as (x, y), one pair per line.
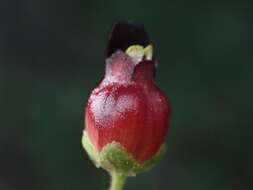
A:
(125, 34)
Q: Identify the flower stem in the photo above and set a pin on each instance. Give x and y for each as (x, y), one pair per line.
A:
(117, 181)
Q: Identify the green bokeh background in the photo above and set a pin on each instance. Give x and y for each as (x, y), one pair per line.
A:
(52, 55)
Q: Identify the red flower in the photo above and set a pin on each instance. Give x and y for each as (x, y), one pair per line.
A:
(127, 107)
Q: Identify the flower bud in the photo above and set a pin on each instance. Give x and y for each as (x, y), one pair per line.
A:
(127, 116)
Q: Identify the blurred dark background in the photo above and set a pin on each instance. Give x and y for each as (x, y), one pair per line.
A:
(52, 55)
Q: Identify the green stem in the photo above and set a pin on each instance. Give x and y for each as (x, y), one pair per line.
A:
(117, 181)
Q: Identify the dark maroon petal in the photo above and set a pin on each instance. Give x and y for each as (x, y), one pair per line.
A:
(125, 34)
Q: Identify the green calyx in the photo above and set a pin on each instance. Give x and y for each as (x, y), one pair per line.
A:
(114, 158)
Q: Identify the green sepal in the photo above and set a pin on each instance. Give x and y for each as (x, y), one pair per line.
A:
(114, 158)
(90, 149)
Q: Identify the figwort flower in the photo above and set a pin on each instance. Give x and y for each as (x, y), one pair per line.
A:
(127, 115)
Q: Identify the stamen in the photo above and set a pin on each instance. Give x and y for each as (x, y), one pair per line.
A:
(138, 53)
(148, 52)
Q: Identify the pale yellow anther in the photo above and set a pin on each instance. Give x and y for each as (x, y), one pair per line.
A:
(137, 52)
(148, 52)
